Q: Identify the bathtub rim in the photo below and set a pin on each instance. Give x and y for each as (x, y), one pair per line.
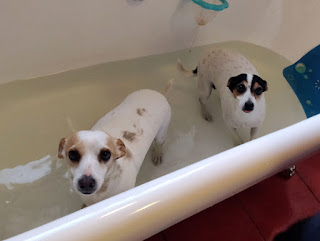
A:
(123, 217)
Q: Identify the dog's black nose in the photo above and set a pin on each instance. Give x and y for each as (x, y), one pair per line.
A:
(87, 184)
(248, 106)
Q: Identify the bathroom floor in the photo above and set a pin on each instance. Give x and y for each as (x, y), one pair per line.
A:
(258, 213)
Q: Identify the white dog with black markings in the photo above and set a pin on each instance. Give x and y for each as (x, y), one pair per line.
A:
(240, 87)
(105, 160)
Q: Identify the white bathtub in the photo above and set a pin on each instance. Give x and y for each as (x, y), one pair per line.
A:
(45, 37)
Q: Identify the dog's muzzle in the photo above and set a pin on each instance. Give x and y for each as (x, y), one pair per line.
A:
(87, 185)
(248, 107)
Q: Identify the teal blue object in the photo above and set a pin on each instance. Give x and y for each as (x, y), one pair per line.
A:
(304, 78)
(211, 6)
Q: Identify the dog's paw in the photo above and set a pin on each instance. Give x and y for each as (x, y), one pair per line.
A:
(83, 206)
(157, 159)
(238, 142)
(156, 155)
(207, 116)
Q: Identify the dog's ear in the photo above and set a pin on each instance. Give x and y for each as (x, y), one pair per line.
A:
(121, 149)
(230, 84)
(264, 85)
(261, 82)
(61, 150)
(117, 147)
(234, 81)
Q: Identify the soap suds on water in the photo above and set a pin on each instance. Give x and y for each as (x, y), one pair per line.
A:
(26, 174)
(58, 163)
(34, 194)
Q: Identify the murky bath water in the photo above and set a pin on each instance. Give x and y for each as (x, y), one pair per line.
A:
(37, 113)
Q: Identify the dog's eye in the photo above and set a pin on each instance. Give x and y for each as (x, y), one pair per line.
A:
(258, 91)
(241, 88)
(74, 156)
(105, 155)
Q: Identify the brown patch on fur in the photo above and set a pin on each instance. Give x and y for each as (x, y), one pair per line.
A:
(130, 136)
(204, 61)
(255, 86)
(61, 147)
(73, 143)
(141, 111)
(139, 130)
(122, 148)
(83, 206)
(235, 92)
(117, 148)
(112, 146)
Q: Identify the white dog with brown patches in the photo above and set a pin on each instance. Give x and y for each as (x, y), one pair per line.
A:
(241, 89)
(105, 160)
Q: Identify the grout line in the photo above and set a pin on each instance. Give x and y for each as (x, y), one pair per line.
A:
(251, 219)
(297, 173)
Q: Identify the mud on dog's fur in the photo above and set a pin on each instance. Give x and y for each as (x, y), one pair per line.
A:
(239, 85)
(105, 160)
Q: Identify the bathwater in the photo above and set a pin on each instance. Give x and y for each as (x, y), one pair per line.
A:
(37, 113)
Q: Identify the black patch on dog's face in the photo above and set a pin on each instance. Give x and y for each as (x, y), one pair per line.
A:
(195, 71)
(234, 81)
(261, 82)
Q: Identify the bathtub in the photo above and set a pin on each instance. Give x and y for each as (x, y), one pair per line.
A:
(66, 36)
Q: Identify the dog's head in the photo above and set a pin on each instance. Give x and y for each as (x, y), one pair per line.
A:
(248, 90)
(90, 155)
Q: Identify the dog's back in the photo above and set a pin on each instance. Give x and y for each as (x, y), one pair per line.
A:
(219, 64)
(137, 119)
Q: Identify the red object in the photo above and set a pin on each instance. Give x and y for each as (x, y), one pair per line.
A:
(258, 213)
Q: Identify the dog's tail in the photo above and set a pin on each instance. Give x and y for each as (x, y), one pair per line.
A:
(167, 89)
(187, 73)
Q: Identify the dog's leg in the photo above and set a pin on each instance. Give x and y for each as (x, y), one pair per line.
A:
(238, 140)
(83, 206)
(156, 151)
(205, 88)
(253, 132)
